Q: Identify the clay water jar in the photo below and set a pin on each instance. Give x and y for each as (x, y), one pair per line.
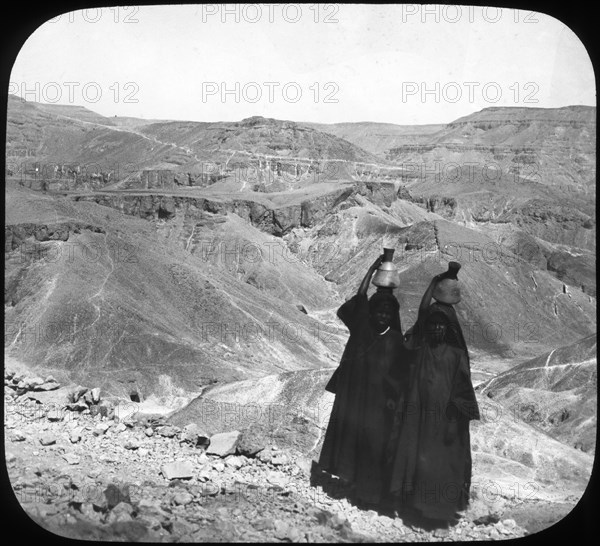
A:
(448, 289)
(387, 275)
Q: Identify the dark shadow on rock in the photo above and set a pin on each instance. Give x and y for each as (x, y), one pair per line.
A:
(390, 506)
(333, 486)
(411, 517)
(337, 488)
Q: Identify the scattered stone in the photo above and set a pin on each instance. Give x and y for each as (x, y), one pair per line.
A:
(189, 434)
(18, 436)
(100, 429)
(55, 415)
(338, 520)
(183, 529)
(71, 459)
(251, 441)
(178, 469)
(193, 435)
(76, 393)
(210, 489)
(9, 393)
(75, 435)
(263, 524)
(218, 466)
(47, 439)
(121, 512)
(131, 444)
(487, 519)
(58, 398)
(441, 533)
(126, 412)
(494, 534)
(235, 461)
(47, 386)
(304, 464)
(34, 382)
(149, 432)
(106, 410)
(264, 456)
(95, 394)
(279, 459)
(223, 444)
(282, 529)
(502, 529)
(87, 398)
(277, 478)
(168, 431)
(121, 427)
(183, 498)
(77, 406)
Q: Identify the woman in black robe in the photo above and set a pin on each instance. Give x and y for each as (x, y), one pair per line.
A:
(366, 385)
(431, 468)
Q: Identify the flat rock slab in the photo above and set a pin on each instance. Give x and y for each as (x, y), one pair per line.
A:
(223, 444)
(178, 469)
(59, 397)
(47, 439)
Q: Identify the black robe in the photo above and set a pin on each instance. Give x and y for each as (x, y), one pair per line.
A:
(431, 467)
(369, 374)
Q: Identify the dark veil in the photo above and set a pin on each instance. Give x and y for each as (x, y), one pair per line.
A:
(454, 333)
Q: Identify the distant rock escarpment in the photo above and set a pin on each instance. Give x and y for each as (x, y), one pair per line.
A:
(268, 215)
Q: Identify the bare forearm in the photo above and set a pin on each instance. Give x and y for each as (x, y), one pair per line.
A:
(364, 285)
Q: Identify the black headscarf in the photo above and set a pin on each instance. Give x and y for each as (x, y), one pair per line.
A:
(445, 312)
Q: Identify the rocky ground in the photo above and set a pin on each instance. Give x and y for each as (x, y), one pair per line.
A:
(89, 468)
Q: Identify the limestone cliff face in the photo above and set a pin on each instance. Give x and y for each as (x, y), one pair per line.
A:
(268, 216)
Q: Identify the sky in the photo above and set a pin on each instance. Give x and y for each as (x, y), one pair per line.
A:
(327, 63)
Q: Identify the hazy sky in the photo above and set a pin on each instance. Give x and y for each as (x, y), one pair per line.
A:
(408, 64)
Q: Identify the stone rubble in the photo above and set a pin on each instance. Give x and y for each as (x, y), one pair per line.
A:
(94, 474)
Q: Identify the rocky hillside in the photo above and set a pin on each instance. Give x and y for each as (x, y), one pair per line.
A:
(161, 262)
(246, 287)
(292, 410)
(156, 481)
(75, 148)
(378, 138)
(556, 392)
(100, 296)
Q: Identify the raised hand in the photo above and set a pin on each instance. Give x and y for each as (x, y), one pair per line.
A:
(377, 263)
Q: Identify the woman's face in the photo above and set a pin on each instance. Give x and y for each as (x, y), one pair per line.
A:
(382, 315)
(435, 330)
